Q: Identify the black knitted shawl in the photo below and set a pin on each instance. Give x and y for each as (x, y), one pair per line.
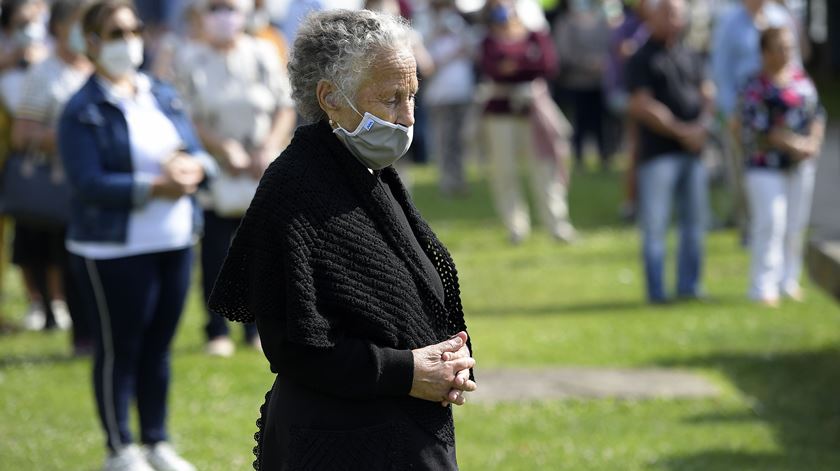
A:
(321, 253)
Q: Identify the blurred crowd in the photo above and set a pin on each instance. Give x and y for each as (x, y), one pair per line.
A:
(507, 83)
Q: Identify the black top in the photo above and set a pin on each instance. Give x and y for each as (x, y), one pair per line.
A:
(405, 228)
(322, 261)
(674, 76)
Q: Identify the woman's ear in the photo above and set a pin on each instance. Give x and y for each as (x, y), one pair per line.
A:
(327, 96)
(91, 46)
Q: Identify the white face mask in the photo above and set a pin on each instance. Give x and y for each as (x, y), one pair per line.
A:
(258, 20)
(121, 57)
(375, 142)
(224, 25)
(32, 33)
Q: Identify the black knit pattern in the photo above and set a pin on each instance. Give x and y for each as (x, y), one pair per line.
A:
(320, 250)
(258, 437)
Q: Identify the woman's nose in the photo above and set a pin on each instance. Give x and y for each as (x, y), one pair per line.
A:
(405, 114)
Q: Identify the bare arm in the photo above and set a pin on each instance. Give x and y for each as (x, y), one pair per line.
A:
(282, 127)
(230, 154)
(708, 92)
(212, 142)
(652, 113)
(799, 146)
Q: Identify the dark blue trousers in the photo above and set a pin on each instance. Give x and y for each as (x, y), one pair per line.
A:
(138, 301)
(218, 234)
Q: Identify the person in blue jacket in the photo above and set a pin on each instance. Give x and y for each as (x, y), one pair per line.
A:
(133, 162)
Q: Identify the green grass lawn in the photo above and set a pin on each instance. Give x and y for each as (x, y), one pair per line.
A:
(532, 305)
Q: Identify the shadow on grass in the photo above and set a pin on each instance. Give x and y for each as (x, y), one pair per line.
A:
(606, 307)
(28, 360)
(795, 394)
(723, 460)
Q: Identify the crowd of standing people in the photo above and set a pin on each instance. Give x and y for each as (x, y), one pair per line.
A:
(160, 118)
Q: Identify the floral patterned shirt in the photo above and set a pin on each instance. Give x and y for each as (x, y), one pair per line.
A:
(765, 106)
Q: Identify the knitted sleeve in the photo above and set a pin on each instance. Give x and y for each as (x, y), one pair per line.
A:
(268, 272)
(353, 368)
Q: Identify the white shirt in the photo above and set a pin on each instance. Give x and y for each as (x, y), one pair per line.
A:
(453, 82)
(11, 85)
(235, 93)
(162, 224)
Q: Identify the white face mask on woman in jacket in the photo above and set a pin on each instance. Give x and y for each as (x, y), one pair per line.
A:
(121, 57)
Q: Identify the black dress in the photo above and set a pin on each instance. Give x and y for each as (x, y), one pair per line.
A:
(343, 278)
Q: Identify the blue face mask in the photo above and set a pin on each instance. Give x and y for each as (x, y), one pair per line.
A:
(581, 5)
(376, 143)
(499, 14)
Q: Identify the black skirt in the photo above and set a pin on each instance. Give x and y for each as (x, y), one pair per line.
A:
(305, 430)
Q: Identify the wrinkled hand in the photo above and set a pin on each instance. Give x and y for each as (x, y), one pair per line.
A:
(455, 395)
(441, 371)
(235, 159)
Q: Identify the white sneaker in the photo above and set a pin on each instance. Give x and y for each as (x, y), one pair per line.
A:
(61, 314)
(220, 347)
(129, 458)
(565, 233)
(163, 458)
(35, 317)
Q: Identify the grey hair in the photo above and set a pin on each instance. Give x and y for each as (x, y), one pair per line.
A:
(340, 46)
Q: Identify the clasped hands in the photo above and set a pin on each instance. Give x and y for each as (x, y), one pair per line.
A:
(800, 147)
(442, 371)
(238, 161)
(181, 176)
(692, 135)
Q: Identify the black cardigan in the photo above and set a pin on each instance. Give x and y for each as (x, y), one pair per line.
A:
(320, 262)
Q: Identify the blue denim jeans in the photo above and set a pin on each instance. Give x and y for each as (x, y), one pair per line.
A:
(668, 178)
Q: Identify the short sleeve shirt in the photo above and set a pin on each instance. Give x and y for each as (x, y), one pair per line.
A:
(765, 106)
(47, 88)
(674, 77)
(235, 93)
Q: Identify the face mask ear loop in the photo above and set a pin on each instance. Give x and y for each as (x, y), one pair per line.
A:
(350, 103)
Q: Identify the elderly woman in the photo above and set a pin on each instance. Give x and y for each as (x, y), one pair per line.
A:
(782, 127)
(356, 301)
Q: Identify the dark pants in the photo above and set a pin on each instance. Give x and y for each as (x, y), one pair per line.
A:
(82, 310)
(139, 300)
(589, 120)
(218, 233)
(38, 248)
